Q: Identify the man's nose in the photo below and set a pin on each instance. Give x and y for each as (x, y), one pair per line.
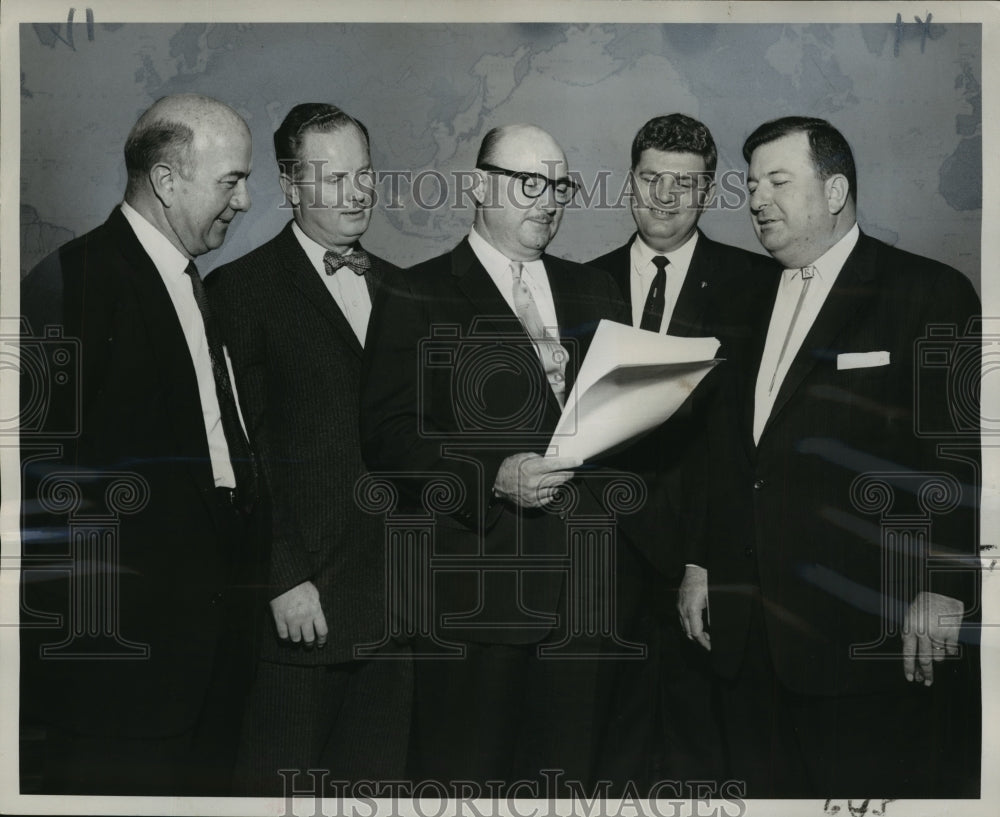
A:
(241, 197)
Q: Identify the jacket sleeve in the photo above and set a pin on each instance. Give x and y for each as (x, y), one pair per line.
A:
(240, 316)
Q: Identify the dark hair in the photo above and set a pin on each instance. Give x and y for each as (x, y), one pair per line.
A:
(678, 133)
(158, 141)
(830, 153)
(309, 117)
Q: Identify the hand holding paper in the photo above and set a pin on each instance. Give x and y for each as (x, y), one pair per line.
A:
(630, 382)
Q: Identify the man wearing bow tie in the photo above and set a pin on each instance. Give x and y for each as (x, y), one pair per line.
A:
(835, 570)
(295, 314)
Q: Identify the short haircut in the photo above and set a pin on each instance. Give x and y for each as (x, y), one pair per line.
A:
(309, 117)
(150, 143)
(830, 153)
(679, 133)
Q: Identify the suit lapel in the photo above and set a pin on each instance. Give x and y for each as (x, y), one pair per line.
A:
(849, 298)
(172, 360)
(687, 319)
(474, 282)
(303, 275)
(493, 313)
(620, 269)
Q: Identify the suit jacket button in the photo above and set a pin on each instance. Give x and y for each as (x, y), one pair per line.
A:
(748, 552)
(216, 600)
(758, 484)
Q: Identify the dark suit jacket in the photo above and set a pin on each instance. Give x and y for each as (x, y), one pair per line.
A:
(722, 290)
(451, 387)
(135, 404)
(298, 366)
(783, 516)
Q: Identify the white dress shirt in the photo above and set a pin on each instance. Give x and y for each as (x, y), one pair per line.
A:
(533, 274)
(644, 270)
(348, 288)
(826, 269)
(171, 263)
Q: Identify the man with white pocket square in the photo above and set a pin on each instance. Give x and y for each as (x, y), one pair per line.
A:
(836, 570)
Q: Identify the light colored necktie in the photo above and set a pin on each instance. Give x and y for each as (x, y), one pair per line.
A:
(550, 351)
(807, 274)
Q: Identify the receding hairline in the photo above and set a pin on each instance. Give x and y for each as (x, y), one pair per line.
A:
(193, 110)
(502, 136)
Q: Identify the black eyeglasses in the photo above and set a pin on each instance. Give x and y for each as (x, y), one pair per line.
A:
(534, 185)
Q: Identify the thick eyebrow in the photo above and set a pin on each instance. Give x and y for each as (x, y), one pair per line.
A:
(235, 174)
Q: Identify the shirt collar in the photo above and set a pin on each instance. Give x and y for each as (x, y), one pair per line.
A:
(680, 258)
(827, 267)
(166, 257)
(313, 249)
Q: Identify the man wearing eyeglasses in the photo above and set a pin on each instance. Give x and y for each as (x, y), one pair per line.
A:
(295, 315)
(470, 358)
(679, 282)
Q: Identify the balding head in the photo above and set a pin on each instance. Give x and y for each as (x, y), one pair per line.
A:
(518, 141)
(187, 158)
(168, 131)
(522, 190)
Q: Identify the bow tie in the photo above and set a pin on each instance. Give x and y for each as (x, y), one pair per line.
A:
(358, 262)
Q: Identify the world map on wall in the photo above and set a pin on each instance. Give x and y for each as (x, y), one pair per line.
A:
(907, 97)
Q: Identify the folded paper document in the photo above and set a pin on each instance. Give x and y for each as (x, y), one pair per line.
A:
(630, 382)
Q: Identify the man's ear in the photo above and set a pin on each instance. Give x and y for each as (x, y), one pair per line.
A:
(290, 189)
(480, 190)
(163, 180)
(837, 192)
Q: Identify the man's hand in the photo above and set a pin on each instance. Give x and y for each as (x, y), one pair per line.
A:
(298, 615)
(930, 631)
(530, 480)
(692, 604)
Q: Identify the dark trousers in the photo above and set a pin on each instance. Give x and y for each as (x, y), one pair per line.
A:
(196, 762)
(504, 713)
(912, 741)
(351, 721)
(664, 722)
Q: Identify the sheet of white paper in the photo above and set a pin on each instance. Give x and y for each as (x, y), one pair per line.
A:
(630, 382)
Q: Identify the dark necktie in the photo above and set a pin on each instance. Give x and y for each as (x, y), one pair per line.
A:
(652, 312)
(359, 262)
(242, 458)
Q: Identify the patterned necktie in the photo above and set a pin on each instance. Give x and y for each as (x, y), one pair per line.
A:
(244, 463)
(359, 262)
(552, 354)
(652, 312)
(805, 274)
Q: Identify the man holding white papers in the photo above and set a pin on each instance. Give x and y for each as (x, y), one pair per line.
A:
(844, 459)
(679, 282)
(469, 359)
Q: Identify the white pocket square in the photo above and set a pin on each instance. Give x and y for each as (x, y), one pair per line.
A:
(862, 360)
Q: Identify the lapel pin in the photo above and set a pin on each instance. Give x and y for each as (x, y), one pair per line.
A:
(704, 284)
